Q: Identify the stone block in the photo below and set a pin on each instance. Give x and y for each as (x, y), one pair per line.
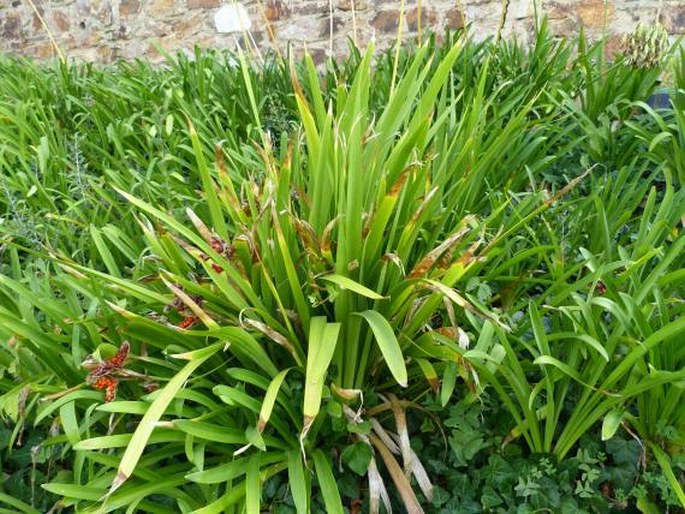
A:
(93, 13)
(318, 55)
(61, 21)
(11, 26)
(305, 8)
(329, 23)
(386, 21)
(305, 28)
(36, 24)
(129, 7)
(454, 19)
(595, 13)
(562, 27)
(105, 14)
(105, 54)
(203, 4)
(356, 5)
(428, 18)
(276, 10)
(159, 7)
(87, 54)
(189, 25)
(121, 32)
(43, 50)
(673, 19)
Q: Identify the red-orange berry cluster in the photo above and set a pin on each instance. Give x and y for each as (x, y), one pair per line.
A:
(103, 375)
(222, 248)
(109, 384)
(188, 322)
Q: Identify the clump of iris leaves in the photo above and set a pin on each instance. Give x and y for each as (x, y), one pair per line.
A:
(443, 278)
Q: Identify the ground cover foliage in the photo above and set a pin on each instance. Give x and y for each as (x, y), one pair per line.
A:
(447, 278)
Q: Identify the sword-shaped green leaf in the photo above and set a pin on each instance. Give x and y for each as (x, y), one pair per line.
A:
(388, 344)
(323, 338)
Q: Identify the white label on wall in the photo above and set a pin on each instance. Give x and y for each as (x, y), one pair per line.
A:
(232, 17)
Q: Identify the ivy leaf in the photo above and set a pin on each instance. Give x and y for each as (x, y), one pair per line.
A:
(500, 473)
(466, 444)
(490, 498)
(484, 293)
(357, 456)
(360, 428)
(334, 409)
(548, 496)
(440, 496)
(623, 451)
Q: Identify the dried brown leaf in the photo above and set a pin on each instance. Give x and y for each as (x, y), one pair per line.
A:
(402, 433)
(269, 332)
(403, 486)
(377, 490)
(425, 264)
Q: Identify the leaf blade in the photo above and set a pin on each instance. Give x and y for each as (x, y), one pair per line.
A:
(388, 344)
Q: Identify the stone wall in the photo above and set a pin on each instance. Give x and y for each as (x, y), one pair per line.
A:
(107, 30)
